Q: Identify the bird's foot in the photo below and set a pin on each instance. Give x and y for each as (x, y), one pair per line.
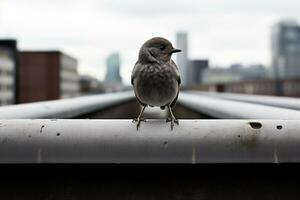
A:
(138, 120)
(173, 121)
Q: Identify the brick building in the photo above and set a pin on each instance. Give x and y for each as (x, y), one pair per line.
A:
(47, 75)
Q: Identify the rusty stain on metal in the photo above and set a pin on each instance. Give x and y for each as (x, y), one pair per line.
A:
(249, 138)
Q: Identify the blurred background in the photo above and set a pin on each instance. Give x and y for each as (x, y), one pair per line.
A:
(61, 49)
(64, 49)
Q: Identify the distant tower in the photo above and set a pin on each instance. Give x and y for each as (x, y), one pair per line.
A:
(113, 69)
(286, 49)
(182, 57)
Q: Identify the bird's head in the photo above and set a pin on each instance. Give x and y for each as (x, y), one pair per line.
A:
(157, 49)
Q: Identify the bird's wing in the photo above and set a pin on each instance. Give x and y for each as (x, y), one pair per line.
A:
(133, 75)
(179, 82)
(176, 72)
(134, 72)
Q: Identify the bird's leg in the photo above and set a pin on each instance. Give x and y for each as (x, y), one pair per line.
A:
(172, 119)
(140, 118)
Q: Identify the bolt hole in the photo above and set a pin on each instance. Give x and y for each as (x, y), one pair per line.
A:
(279, 127)
(57, 134)
(255, 125)
(239, 135)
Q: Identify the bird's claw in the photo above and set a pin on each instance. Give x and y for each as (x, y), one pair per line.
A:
(173, 121)
(138, 120)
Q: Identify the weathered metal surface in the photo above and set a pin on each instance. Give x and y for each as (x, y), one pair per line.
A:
(284, 102)
(64, 108)
(228, 109)
(118, 141)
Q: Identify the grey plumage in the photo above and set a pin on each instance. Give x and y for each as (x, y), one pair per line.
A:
(155, 77)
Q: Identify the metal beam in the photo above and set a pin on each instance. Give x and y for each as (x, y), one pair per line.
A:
(118, 141)
(284, 102)
(228, 109)
(64, 108)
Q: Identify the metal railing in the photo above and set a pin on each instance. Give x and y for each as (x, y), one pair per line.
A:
(284, 102)
(229, 109)
(118, 141)
(64, 108)
(213, 106)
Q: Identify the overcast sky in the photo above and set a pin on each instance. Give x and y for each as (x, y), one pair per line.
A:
(224, 31)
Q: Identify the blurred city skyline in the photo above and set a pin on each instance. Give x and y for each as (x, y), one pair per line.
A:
(225, 32)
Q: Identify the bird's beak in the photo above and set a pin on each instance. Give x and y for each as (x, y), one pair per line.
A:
(175, 50)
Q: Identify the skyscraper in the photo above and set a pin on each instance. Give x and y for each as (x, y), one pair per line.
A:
(286, 49)
(182, 58)
(113, 69)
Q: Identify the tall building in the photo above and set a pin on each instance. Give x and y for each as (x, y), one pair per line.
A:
(113, 69)
(197, 68)
(8, 68)
(182, 58)
(47, 75)
(286, 49)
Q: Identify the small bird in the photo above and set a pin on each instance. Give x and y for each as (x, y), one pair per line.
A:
(155, 77)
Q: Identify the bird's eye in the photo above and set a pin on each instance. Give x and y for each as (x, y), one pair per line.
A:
(162, 48)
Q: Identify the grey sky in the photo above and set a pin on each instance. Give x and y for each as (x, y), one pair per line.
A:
(225, 31)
